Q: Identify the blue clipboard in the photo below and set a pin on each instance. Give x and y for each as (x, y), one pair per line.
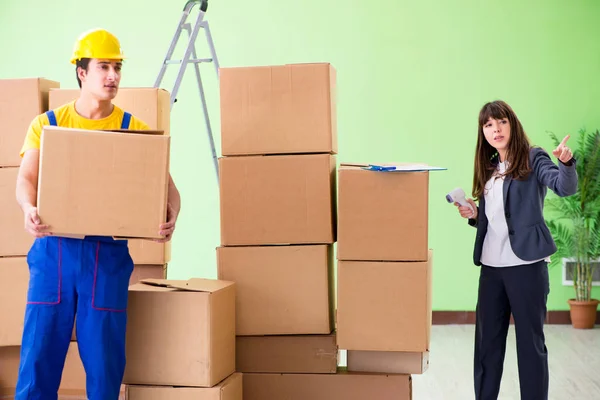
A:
(401, 168)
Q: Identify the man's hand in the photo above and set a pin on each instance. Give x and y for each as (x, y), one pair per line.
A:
(167, 229)
(562, 152)
(26, 192)
(33, 224)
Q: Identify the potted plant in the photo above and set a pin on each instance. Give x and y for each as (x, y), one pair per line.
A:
(575, 226)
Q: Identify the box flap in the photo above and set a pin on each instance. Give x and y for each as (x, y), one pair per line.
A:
(192, 285)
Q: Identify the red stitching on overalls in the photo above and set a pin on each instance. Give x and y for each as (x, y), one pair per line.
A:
(94, 287)
(59, 279)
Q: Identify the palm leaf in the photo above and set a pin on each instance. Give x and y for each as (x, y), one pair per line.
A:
(565, 207)
(591, 173)
(563, 238)
(575, 222)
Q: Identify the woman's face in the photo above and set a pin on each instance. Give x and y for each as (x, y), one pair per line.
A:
(497, 133)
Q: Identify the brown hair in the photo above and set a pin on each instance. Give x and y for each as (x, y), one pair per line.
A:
(82, 63)
(486, 156)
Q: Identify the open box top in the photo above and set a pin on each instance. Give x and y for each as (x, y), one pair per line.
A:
(190, 285)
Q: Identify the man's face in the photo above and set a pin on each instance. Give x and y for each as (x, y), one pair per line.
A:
(102, 78)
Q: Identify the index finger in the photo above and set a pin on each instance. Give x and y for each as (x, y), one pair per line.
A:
(564, 141)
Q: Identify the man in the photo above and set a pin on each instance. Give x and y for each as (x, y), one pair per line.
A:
(85, 277)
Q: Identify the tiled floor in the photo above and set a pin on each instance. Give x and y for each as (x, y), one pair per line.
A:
(574, 357)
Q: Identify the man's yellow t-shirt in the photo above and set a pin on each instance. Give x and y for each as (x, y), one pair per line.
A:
(67, 117)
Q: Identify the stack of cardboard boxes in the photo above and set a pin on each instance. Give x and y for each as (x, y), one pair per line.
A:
(21, 100)
(278, 226)
(181, 341)
(278, 208)
(384, 272)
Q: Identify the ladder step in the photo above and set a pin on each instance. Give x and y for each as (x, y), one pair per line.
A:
(192, 61)
(192, 58)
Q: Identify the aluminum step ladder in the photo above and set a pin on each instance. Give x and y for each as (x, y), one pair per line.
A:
(190, 57)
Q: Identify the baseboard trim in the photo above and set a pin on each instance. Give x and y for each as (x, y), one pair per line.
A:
(468, 317)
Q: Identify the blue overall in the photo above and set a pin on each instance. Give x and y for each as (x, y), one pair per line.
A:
(85, 277)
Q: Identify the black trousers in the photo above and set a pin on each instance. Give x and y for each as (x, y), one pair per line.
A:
(521, 290)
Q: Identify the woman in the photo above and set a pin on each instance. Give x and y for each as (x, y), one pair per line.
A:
(513, 246)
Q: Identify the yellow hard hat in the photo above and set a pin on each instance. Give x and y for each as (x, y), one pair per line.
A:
(97, 43)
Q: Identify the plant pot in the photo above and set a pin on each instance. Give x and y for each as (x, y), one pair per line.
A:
(583, 313)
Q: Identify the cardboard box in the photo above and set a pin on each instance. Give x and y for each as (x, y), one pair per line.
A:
(277, 199)
(142, 271)
(390, 362)
(180, 333)
(382, 216)
(384, 306)
(229, 389)
(281, 109)
(309, 354)
(14, 283)
(73, 375)
(149, 252)
(280, 289)
(103, 183)
(340, 386)
(14, 239)
(21, 100)
(151, 105)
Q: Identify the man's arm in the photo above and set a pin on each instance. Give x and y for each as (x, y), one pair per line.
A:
(174, 199)
(173, 208)
(26, 192)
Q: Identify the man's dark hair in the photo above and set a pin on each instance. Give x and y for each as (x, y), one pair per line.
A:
(83, 63)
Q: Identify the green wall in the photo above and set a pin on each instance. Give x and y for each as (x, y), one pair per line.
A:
(411, 79)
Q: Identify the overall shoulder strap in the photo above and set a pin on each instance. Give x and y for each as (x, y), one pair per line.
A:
(126, 120)
(51, 117)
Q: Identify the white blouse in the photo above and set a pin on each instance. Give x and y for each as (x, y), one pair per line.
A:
(497, 251)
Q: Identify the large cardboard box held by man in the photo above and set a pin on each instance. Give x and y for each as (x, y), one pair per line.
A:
(180, 333)
(103, 183)
(21, 100)
(279, 109)
(280, 290)
(151, 105)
